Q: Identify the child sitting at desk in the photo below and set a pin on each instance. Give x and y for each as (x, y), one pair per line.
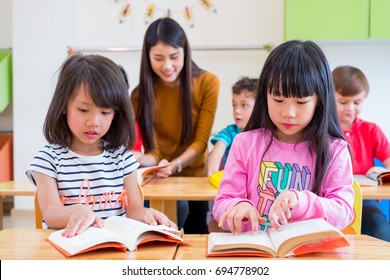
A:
(367, 141)
(291, 163)
(87, 173)
(243, 99)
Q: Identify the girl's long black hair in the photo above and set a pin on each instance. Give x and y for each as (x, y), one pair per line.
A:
(167, 31)
(300, 69)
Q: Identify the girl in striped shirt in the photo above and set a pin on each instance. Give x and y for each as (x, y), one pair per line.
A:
(86, 172)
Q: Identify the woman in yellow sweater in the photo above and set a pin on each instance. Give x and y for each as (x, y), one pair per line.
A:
(175, 104)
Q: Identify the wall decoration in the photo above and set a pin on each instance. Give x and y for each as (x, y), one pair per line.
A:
(124, 13)
(160, 8)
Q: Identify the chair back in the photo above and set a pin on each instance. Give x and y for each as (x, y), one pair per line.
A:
(355, 227)
(38, 213)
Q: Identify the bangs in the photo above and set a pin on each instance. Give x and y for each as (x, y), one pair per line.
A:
(104, 93)
(292, 74)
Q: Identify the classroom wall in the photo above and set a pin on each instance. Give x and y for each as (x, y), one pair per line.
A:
(43, 29)
(6, 43)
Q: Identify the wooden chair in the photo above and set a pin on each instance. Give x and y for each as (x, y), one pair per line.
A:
(38, 213)
(39, 216)
(355, 227)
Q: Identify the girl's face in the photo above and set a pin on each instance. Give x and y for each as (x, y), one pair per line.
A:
(87, 122)
(291, 115)
(349, 108)
(167, 62)
(242, 108)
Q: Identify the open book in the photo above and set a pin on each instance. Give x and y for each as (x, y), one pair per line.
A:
(145, 174)
(373, 179)
(295, 239)
(118, 232)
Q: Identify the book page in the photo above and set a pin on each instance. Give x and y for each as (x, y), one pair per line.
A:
(226, 242)
(364, 180)
(88, 238)
(133, 232)
(297, 233)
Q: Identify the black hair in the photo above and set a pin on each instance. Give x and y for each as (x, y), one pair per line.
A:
(300, 69)
(167, 31)
(102, 78)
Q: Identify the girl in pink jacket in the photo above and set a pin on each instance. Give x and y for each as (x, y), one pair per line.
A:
(291, 162)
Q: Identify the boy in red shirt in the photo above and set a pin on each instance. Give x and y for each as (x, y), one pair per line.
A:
(366, 139)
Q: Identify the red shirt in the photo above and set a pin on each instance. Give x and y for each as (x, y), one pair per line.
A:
(367, 141)
(138, 142)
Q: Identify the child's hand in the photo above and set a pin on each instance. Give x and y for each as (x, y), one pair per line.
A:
(80, 219)
(154, 218)
(242, 211)
(164, 172)
(280, 211)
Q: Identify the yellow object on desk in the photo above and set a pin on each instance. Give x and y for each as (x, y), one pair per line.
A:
(216, 178)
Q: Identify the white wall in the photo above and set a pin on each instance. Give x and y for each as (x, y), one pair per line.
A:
(373, 58)
(42, 30)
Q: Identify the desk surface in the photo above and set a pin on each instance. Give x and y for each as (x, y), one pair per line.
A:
(175, 188)
(362, 247)
(199, 188)
(13, 188)
(180, 188)
(30, 244)
(381, 192)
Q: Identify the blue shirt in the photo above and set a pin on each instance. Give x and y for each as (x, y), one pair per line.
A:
(226, 135)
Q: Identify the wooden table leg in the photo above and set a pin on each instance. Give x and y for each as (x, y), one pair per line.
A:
(168, 207)
(170, 210)
(158, 205)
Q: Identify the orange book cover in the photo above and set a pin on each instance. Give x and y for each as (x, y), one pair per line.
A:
(118, 232)
(295, 239)
(145, 174)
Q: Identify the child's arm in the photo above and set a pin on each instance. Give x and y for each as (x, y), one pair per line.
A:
(215, 157)
(136, 210)
(75, 218)
(145, 159)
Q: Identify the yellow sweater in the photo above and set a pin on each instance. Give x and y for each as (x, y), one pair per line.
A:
(168, 121)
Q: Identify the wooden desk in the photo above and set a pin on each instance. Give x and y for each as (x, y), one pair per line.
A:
(380, 192)
(30, 244)
(164, 192)
(363, 247)
(12, 188)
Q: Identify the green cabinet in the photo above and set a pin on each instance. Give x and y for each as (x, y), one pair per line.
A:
(380, 19)
(336, 19)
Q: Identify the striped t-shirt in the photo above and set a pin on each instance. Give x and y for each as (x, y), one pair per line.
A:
(96, 181)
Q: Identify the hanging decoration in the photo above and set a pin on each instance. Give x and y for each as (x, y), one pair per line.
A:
(124, 13)
(168, 13)
(208, 5)
(70, 51)
(189, 17)
(154, 6)
(149, 14)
